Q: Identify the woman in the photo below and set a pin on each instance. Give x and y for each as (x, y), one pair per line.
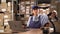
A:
(34, 21)
(52, 18)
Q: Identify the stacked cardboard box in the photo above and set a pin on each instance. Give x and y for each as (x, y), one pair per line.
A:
(4, 5)
(1, 22)
(9, 8)
(1, 18)
(6, 22)
(7, 16)
(26, 9)
(1, 28)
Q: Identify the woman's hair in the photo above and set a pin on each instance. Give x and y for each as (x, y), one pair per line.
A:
(46, 24)
(54, 17)
(32, 14)
(50, 14)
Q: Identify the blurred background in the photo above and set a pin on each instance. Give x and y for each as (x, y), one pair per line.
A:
(20, 10)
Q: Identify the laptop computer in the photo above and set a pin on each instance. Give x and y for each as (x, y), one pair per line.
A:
(16, 26)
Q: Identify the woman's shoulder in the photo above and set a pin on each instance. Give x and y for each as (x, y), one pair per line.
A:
(43, 15)
(30, 17)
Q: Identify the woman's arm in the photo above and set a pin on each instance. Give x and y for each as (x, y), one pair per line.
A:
(44, 19)
(28, 21)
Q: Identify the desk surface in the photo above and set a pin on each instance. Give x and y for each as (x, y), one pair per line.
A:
(32, 31)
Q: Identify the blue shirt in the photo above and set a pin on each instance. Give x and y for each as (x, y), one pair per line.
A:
(30, 20)
(43, 19)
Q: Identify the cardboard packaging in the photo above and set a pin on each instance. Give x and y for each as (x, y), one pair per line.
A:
(4, 5)
(1, 22)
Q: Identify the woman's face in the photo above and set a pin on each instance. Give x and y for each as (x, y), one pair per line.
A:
(35, 11)
(53, 14)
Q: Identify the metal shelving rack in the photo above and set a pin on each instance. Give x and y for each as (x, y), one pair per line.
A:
(25, 8)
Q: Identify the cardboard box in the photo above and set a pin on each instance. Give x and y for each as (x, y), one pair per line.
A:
(4, 5)
(9, 9)
(7, 29)
(1, 19)
(9, 16)
(1, 28)
(3, 1)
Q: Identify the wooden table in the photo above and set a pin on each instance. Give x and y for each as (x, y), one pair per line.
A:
(32, 31)
(5, 33)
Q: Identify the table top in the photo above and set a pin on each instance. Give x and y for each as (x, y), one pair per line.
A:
(32, 31)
